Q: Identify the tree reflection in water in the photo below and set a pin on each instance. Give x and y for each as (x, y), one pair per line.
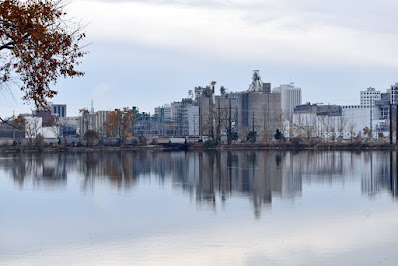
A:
(213, 177)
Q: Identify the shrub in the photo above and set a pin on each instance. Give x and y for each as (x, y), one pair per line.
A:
(252, 136)
(295, 142)
(141, 140)
(91, 137)
(211, 143)
(39, 141)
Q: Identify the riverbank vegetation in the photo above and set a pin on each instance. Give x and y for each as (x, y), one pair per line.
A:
(39, 145)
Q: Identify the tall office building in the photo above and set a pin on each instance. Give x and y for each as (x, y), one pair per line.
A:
(290, 98)
(100, 118)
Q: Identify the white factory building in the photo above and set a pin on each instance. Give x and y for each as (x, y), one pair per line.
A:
(357, 117)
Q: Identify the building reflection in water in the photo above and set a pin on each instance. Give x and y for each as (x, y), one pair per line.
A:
(41, 170)
(211, 178)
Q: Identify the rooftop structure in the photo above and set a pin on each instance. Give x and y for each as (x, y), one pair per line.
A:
(369, 96)
(330, 110)
(257, 84)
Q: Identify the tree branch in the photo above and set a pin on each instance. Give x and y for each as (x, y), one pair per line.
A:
(9, 45)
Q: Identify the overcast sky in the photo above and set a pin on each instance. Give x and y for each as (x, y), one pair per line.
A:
(148, 53)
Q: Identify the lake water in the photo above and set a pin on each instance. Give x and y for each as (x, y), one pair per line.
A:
(199, 208)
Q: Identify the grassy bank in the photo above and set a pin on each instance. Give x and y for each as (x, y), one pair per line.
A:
(311, 145)
(355, 145)
(52, 149)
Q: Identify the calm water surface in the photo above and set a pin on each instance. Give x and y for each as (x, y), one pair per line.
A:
(198, 208)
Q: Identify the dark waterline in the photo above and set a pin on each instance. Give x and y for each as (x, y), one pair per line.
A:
(232, 207)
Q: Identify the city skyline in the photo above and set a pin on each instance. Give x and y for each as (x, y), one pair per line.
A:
(168, 48)
(91, 107)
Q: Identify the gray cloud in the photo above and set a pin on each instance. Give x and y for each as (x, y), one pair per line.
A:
(363, 15)
(330, 48)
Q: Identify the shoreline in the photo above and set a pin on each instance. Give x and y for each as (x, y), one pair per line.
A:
(318, 146)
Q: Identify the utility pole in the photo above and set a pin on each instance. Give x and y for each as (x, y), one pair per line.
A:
(253, 122)
(150, 125)
(211, 114)
(200, 117)
(390, 123)
(396, 124)
(268, 126)
(371, 114)
(229, 123)
(219, 121)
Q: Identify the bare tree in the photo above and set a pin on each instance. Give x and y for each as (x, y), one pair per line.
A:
(263, 135)
(283, 120)
(368, 132)
(32, 126)
(269, 122)
(18, 125)
(306, 126)
(351, 129)
(243, 133)
(308, 131)
(332, 130)
(207, 125)
(321, 125)
(341, 126)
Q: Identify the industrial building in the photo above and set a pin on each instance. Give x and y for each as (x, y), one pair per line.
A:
(256, 109)
(218, 114)
(359, 117)
(93, 121)
(373, 113)
(186, 116)
(174, 119)
(259, 109)
(345, 122)
(322, 122)
(164, 113)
